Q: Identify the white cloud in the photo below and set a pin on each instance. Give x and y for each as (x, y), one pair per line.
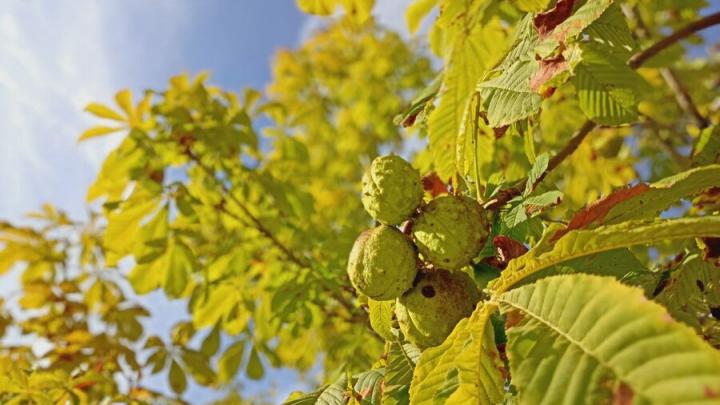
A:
(55, 57)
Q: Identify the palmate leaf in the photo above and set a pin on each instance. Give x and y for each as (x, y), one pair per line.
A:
(466, 368)
(587, 339)
(580, 243)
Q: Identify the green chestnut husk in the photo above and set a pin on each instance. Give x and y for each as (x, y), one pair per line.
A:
(383, 263)
(391, 190)
(450, 231)
(428, 312)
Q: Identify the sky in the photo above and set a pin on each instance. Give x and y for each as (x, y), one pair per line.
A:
(57, 56)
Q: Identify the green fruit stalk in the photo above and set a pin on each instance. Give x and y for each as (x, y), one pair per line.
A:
(450, 231)
(391, 190)
(440, 299)
(382, 263)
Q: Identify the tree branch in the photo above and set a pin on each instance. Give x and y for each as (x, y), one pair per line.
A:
(634, 62)
(708, 21)
(255, 223)
(682, 96)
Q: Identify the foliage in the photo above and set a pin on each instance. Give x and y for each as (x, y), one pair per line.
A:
(599, 175)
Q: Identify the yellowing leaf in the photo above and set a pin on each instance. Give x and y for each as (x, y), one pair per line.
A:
(97, 131)
(381, 314)
(466, 368)
(124, 100)
(255, 370)
(113, 178)
(124, 224)
(177, 379)
(586, 339)
(580, 243)
(180, 263)
(230, 361)
(103, 111)
(415, 13)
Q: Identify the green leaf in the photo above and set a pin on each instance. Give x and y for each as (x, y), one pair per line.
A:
(401, 362)
(535, 202)
(580, 243)
(664, 193)
(508, 97)
(691, 291)
(230, 361)
(219, 302)
(472, 55)
(157, 360)
(381, 313)
(197, 364)
(180, 263)
(539, 167)
(707, 147)
(369, 387)
(621, 264)
(612, 30)
(606, 87)
(254, 369)
(333, 394)
(589, 339)
(211, 343)
(466, 368)
(176, 378)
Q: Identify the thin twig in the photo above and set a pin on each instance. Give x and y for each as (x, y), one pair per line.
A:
(264, 231)
(255, 221)
(634, 62)
(682, 95)
(708, 21)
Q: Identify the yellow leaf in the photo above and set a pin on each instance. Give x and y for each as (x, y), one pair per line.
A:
(416, 12)
(124, 100)
(103, 111)
(124, 224)
(97, 131)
